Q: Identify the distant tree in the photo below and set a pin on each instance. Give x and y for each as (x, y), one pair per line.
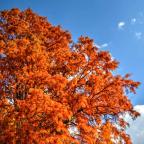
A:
(55, 91)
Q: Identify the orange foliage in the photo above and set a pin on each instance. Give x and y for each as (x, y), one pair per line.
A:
(54, 91)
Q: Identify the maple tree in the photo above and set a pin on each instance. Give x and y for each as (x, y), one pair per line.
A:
(55, 91)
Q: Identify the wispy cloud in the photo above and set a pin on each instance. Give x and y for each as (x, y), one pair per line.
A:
(104, 45)
(136, 129)
(133, 20)
(138, 35)
(121, 25)
(97, 45)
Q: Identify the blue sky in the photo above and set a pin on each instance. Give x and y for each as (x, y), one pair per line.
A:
(116, 26)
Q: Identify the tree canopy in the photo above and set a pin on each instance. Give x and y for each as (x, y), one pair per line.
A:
(56, 91)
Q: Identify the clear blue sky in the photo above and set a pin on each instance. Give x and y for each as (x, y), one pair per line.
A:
(115, 25)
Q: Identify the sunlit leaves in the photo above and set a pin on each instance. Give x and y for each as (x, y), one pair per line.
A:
(55, 91)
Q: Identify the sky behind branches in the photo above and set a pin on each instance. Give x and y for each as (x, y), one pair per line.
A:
(115, 25)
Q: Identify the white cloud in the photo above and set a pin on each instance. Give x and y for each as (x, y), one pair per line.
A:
(97, 45)
(136, 129)
(121, 25)
(104, 45)
(138, 35)
(133, 20)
